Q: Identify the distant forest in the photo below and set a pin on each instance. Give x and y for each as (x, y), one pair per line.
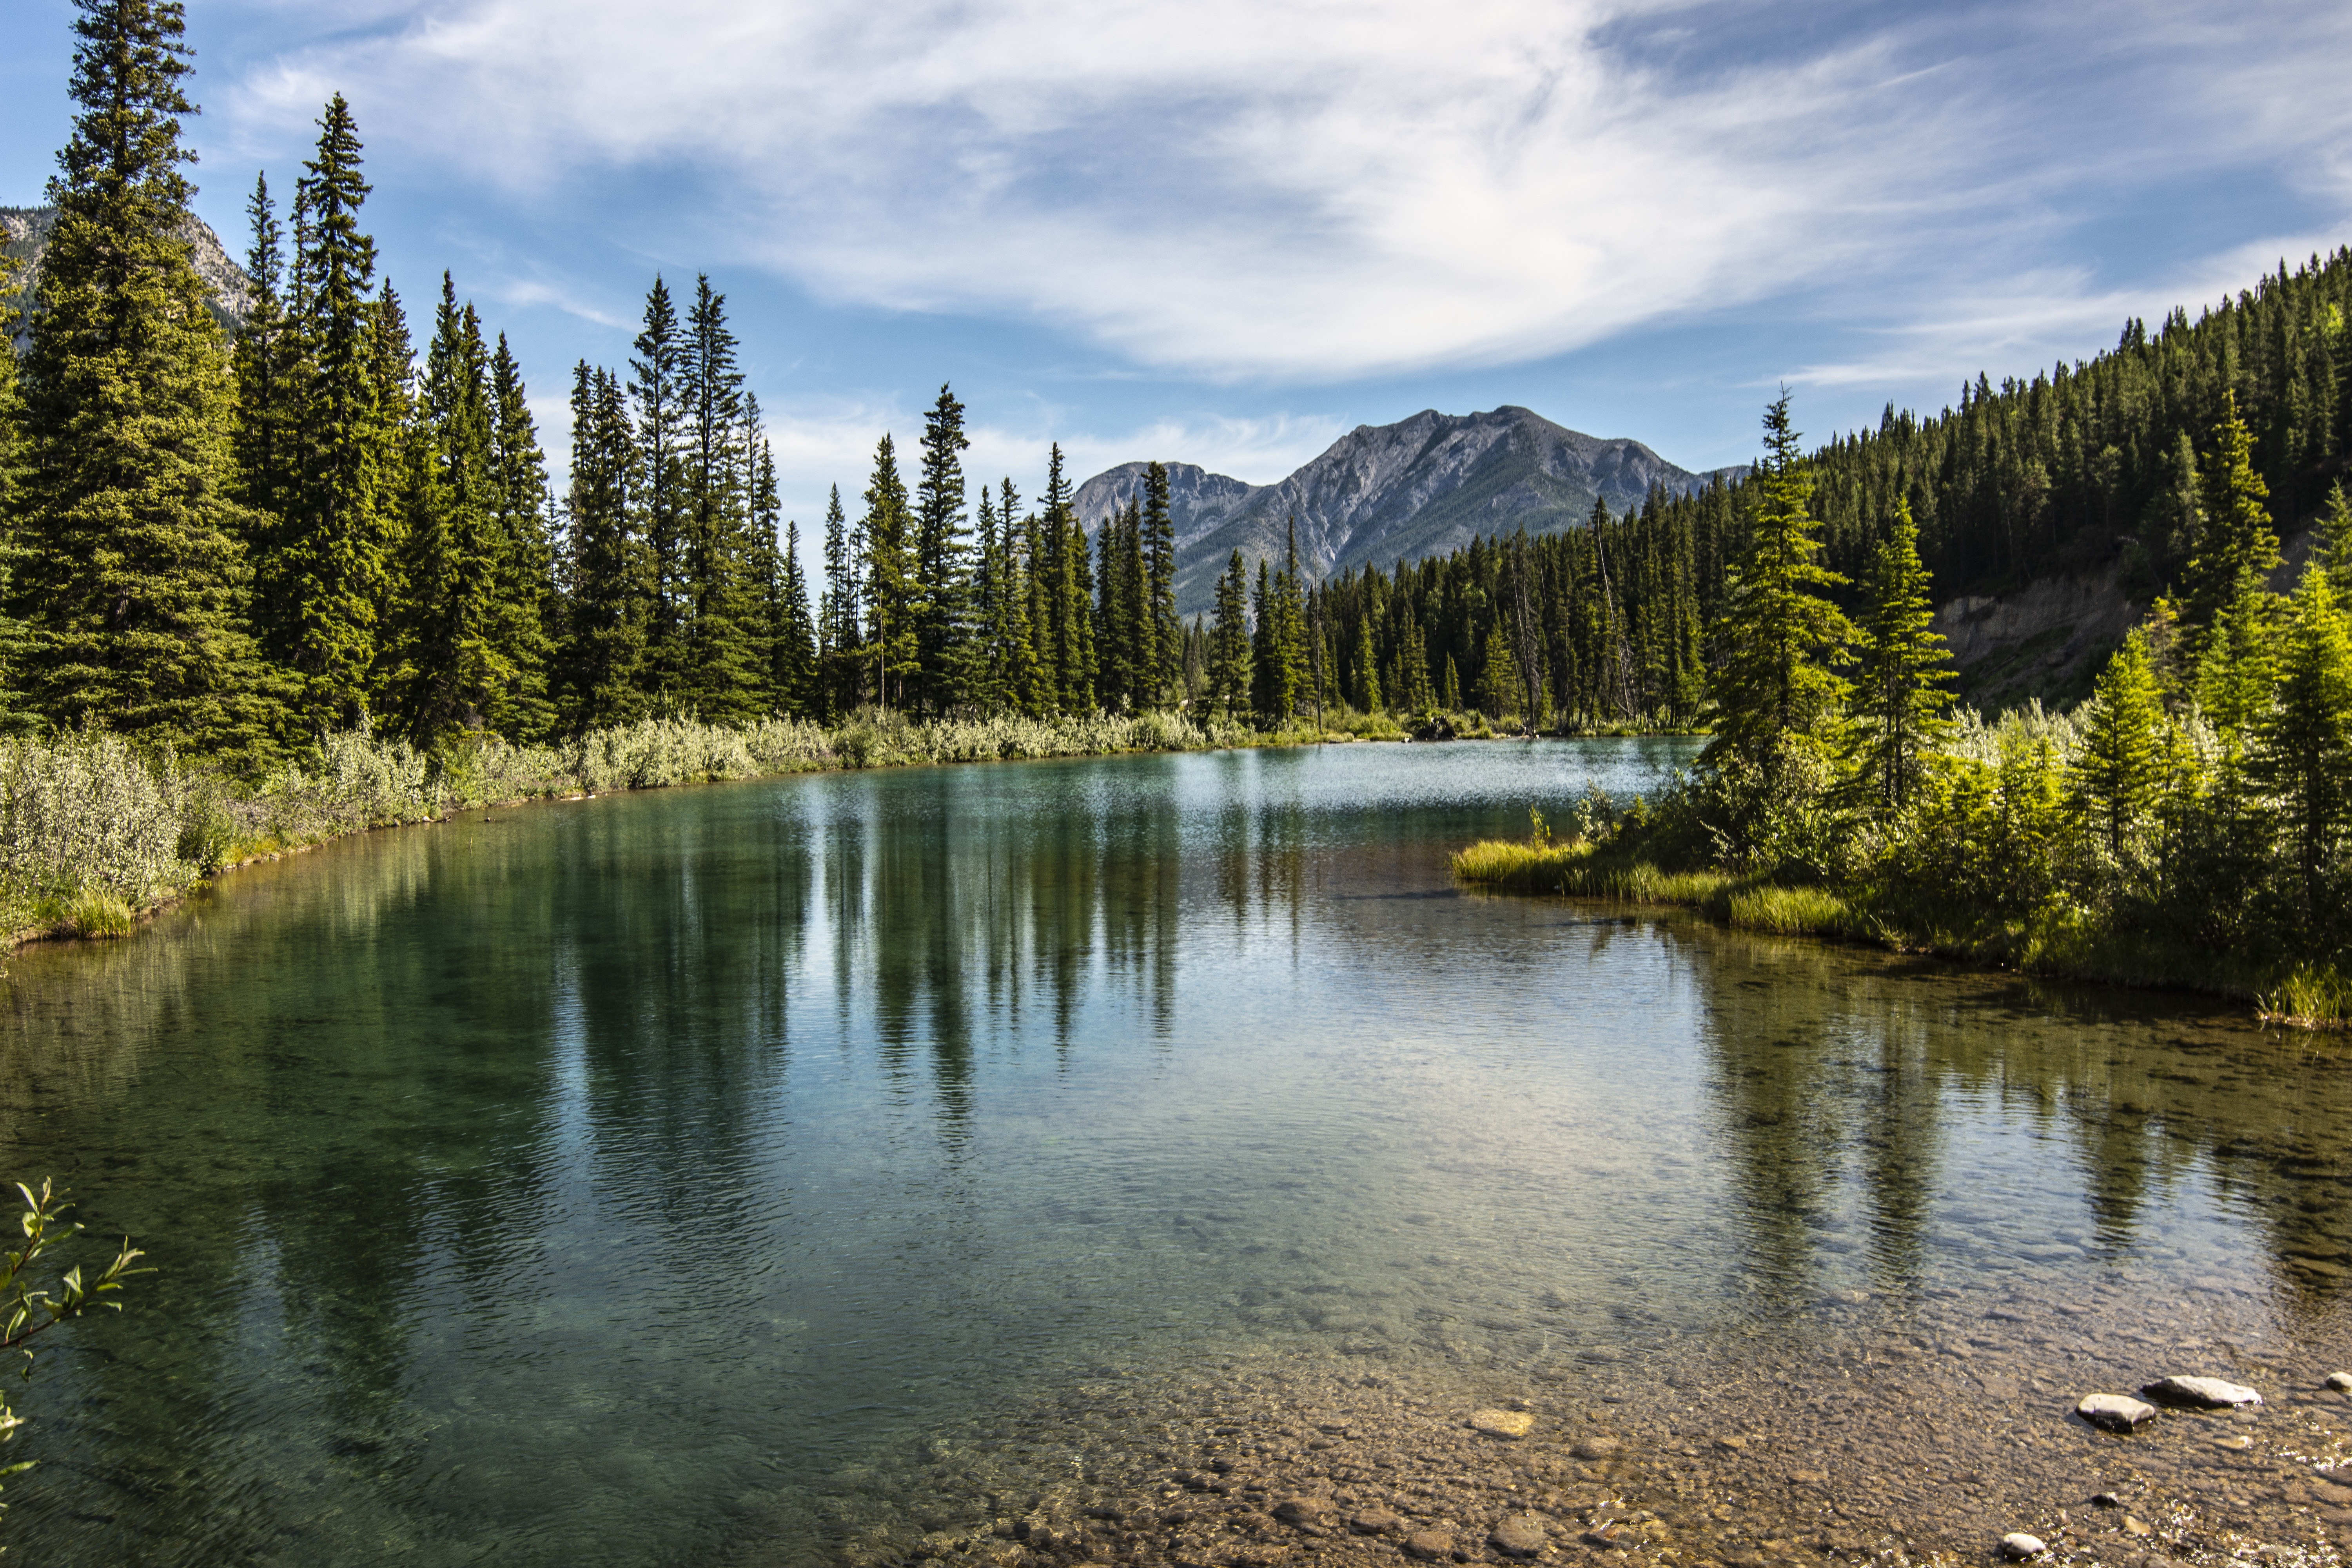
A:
(236, 544)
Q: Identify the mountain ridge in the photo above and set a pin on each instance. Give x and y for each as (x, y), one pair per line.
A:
(1422, 486)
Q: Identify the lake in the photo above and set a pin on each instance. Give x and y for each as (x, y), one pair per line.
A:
(757, 1173)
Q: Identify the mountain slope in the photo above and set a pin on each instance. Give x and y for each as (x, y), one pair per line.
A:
(1420, 487)
(24, 238)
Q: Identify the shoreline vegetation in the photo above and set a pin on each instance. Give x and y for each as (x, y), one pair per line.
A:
(95, 832)
(2187, 827)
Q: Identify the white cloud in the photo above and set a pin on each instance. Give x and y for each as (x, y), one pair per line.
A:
(1326, 189)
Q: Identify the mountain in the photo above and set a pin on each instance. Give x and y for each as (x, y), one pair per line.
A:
(24, 238)
(1384, 492)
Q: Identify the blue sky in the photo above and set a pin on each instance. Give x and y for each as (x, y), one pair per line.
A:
(1226, 231)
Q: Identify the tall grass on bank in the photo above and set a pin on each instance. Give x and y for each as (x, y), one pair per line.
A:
(93, 830)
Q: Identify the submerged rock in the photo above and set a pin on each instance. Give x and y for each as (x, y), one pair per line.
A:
(1502, 1423)
(1598, 1448)
(1520, 1535)
(2114, 1412)
(2017, 1546)
(1428, 1545)
(2205, 1392)
(2341, 1382)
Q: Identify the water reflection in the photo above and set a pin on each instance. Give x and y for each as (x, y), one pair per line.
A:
(577, 1183)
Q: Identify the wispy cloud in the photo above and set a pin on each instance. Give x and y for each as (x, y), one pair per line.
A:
(1311, 191)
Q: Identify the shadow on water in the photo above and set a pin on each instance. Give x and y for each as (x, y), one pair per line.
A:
(584, 1184)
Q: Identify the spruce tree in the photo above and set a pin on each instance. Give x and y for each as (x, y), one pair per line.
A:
(2120, 771)
(943, 605)
(1899, 701)
(2235, 547)
(1016, 639)
(719, 670)
(2304, 760)
(838, 612)
(610, 593)
(1776, 691)
(1366, 694)
(1160, 555)
(891, 651)
(525, 588)
(1231, 678)
(137, 572)
(17, 643)
(452, 671)
(330, 576)
(2335, 537)
(793, 650)
(269, 367)
(658, 390)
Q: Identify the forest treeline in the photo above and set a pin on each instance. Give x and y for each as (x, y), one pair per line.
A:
(235, 546)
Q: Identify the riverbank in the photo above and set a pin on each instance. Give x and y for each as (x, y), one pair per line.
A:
(95, 833)
(2059, 943)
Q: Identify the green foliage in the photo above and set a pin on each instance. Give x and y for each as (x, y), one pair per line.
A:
(2118, 775)
(34, 1307)
(136, 572)
(1775, 690)
(1899, 715)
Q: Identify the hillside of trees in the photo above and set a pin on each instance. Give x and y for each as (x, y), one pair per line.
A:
(236, 545)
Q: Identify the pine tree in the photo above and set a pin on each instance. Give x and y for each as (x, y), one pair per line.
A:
(1776, 689)
(1231, 678)
(792, 649)
(837, 615)
(2304, 761)
(452, 671)
(2335, 538)
(331, 575)
(2236, 666)
(610, 591)
(1900, 704)
(525, 584)
(1500, 693)
(659, 491)
(2120, 771)
(942, 606)
(268, 365)
(137, 572)
(720, 672)
(890, 603)
(1159, 554)
(1365, 694)
(1020, 681)
(17, 648)
(2236, 546)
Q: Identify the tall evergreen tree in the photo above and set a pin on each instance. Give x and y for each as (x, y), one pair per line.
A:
(943, 605)
(331, 575)
(16, 642)
(525, 583)
(269, 372)
(837, 615)
(2119, 773)
(890, 572)
(1017, 637)
(1900, 704)
(1776, 688)
(137, 572)
(1160, 555)
(609, 591)
(452, 672)
(659, 391)
(2305, 757)
(1231, 678)
(719, 671)
(792, 649)
(2236, 546)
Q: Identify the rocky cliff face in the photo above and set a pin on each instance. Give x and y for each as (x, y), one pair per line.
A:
(24, 238)
(1381, 493)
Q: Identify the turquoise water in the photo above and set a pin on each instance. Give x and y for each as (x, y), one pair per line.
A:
(585, 1183)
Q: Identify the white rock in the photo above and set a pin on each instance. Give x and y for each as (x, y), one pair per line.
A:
(2114, 1412)
(2211, 1393)
(2018, 1546)
(2340, 1381)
